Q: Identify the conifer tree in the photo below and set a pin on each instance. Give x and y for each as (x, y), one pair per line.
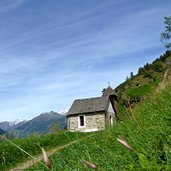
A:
(166, 34)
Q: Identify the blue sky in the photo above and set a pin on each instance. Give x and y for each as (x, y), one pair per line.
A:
(55, 51)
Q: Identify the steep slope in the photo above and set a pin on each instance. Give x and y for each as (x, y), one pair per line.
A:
(147, 80)
(39, 125)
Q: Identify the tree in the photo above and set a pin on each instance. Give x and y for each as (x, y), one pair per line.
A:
(158, 67)
(103, 91)
(54, 127)
(147, 66)
(166, 34)
(14, 134)
(131, 75)
(127, 78)
(140, 70)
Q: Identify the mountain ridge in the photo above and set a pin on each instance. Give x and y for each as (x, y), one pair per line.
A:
(40, 124)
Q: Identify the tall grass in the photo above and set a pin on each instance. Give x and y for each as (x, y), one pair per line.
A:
(11, 156)
(147, 130)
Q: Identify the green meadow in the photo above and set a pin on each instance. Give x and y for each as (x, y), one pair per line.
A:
(146, 128)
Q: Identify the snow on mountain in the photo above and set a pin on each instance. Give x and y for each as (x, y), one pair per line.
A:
(5, 125)
(63, 111)
(15, 122)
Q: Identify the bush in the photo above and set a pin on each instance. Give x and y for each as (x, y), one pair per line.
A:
(148, 74)
(158, 67)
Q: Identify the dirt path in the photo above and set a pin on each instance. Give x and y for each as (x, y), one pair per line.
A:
(29, 163)
(163, 84)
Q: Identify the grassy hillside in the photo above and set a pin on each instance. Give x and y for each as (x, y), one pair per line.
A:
(148, 79)
(10, 155)
(147, 130)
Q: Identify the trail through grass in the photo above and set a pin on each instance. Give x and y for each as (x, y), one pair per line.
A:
(29, 163)
(11, 155)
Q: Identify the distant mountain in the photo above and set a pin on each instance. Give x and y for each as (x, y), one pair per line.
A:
(2, 131)
(39, 124)
(15, 126)
(7, 125)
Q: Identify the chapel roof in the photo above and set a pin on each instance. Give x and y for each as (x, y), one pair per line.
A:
(109, 91)
(89, 105)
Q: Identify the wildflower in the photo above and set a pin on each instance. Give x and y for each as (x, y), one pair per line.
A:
(46, 159)
(89, 164)
(125, 144)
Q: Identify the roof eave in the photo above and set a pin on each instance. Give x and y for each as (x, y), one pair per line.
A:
(84, 113)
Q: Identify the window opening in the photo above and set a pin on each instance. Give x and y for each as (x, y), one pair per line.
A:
(81, 120)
